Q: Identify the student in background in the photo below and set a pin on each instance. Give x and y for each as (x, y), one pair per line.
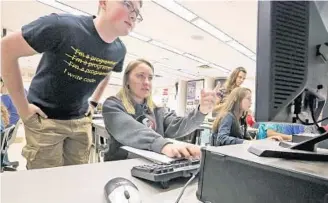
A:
(132, 118)
(79, 54)
(235, 80)
(250, 120)
(226, 128)
(325, 127)
(4, 123)
(8, 103)
(284, 130)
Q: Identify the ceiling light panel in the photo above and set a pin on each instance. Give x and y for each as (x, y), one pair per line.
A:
(177, 72)
(220, 68)
(139, 36)
(239, 47)
(211, 30)
(176, 8)
(202, 61)
(63, 7)
(167, 47)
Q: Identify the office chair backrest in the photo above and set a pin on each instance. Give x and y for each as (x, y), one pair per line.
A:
(5, 134)
(11, 139)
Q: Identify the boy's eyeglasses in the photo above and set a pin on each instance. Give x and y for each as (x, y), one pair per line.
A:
(136, 16)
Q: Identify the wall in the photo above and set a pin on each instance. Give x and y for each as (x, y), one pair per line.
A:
(171, 100)
(111, 90)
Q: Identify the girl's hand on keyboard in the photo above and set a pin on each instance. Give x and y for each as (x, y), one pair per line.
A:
(181, 151)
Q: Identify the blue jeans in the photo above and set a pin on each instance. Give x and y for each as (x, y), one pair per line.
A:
(5, 160)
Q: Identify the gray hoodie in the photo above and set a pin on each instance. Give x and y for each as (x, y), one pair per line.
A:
(144, 130)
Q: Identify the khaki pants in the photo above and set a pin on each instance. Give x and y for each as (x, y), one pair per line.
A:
(52, 143)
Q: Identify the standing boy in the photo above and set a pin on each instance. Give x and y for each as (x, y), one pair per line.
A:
(79, 53)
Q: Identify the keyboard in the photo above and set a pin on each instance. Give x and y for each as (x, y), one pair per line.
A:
(162, 173)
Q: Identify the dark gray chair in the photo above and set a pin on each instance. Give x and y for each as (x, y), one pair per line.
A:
(6, 137)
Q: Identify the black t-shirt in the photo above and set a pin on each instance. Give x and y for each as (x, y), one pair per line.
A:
(75, 60)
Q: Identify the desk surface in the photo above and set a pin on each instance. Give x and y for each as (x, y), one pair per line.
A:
(306, 168)
(84, 183)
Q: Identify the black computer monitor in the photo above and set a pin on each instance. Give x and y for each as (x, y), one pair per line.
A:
(289, 71)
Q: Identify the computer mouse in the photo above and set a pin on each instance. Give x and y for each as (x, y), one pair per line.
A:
(121, 190)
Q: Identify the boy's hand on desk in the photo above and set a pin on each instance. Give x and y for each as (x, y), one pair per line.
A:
(178, 151)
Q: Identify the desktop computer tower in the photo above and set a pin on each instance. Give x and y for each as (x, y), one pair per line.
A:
(225, 178)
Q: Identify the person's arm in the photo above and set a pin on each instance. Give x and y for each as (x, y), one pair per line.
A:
(224, 131)
(41, 35)
(220, 94)
(180, 126)
(127, 131)
(95, 97)
(175, 126)
(13, 47)
(104, 83)
(100, 89)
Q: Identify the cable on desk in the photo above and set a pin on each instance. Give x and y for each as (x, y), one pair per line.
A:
(185, 186)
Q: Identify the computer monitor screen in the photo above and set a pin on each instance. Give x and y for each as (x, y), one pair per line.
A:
(289, 71)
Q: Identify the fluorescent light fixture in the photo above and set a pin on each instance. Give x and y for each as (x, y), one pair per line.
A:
(165, 74)
(187, 72)
(165, 66)
(211, 30)
(219, 68)
(167, 47)
(196, 59)
(166, 70)
(240, 48)
(176, 8)
(63, 7)
(139, 36)
(160, 64)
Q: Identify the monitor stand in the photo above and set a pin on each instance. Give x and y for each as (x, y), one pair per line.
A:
(305, 150)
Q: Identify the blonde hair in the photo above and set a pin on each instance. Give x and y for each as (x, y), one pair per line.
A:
(232, 104)
(125, 93)
(230, 83)
(4, 115)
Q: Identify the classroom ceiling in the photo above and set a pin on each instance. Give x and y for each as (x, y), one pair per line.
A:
(177, 36)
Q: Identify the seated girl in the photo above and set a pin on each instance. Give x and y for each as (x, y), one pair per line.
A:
(278, 129)
(132, 119)
(284, 130)
(226, 128)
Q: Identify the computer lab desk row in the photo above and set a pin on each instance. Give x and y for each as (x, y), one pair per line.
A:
(99, 140)
(85, 184)
(231, 169)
